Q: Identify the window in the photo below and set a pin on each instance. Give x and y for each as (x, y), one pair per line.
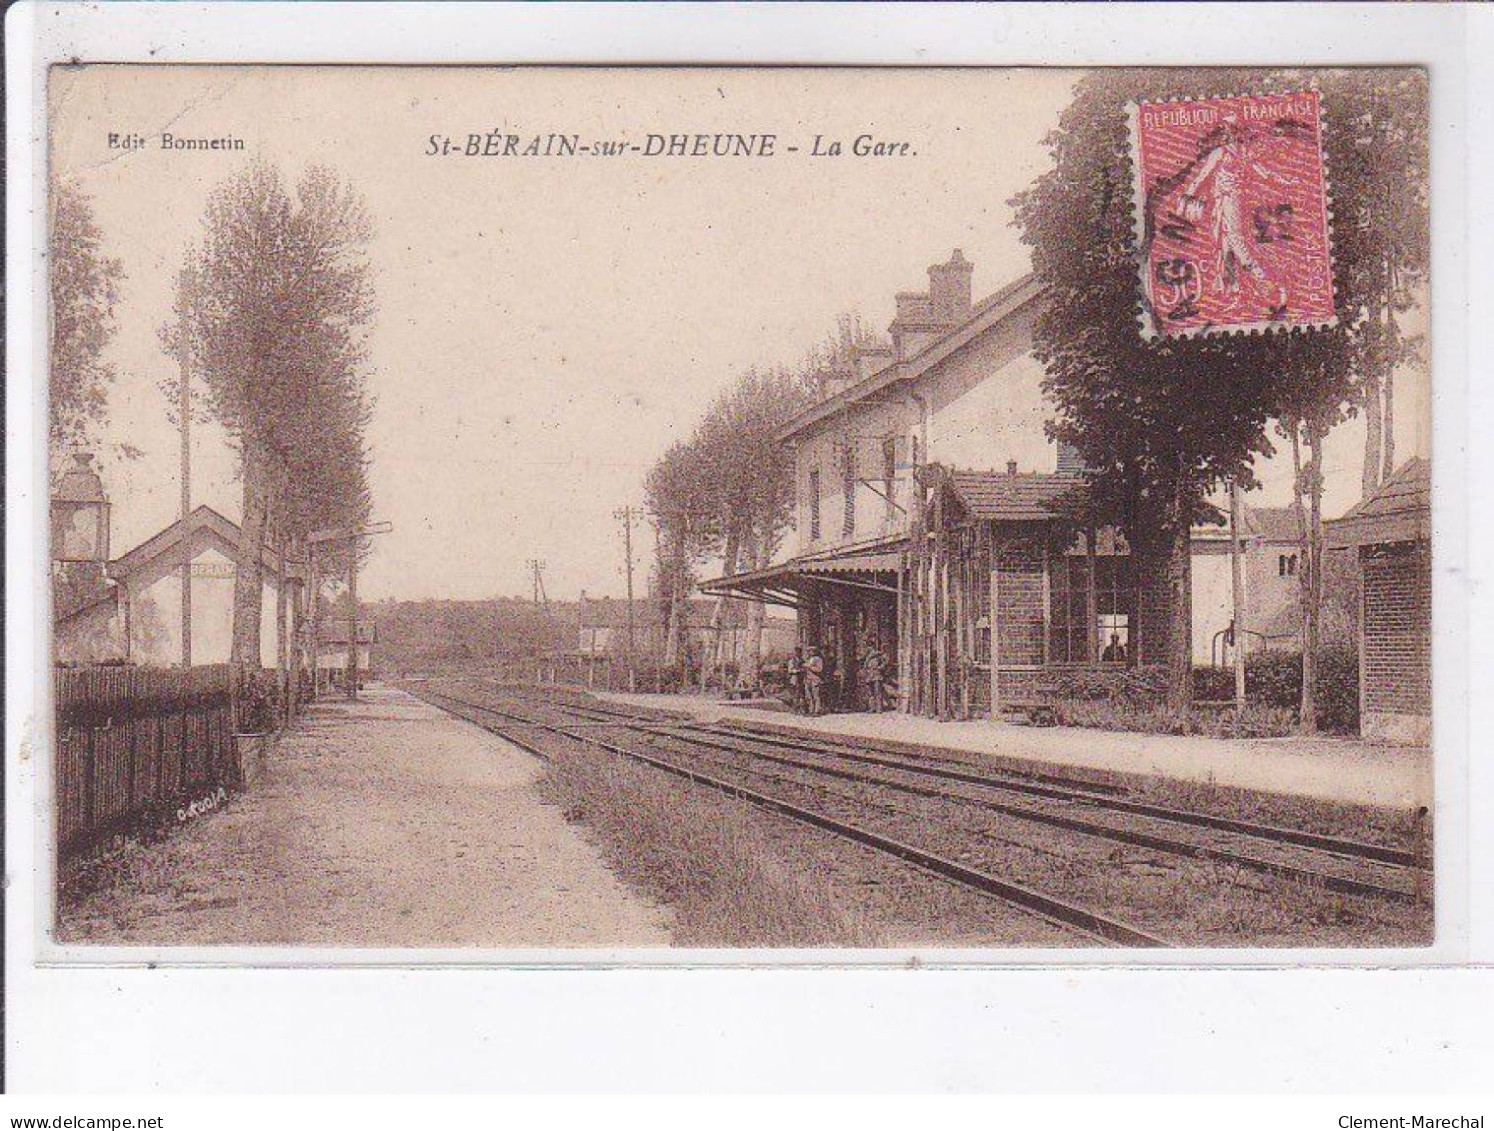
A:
(1115, 637)
(1115, 608)
(889, 476)
(814, 505)
(1286, 565)
(848, 526)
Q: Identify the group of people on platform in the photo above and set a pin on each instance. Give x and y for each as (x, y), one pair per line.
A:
(807, 675)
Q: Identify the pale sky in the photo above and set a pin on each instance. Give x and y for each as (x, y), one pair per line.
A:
(548, 326)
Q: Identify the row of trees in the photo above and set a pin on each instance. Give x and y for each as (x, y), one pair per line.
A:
(1166, 423)
(272, 311)
(272, 307)
(727, 493)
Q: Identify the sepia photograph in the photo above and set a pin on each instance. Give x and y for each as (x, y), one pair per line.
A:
(749, 509)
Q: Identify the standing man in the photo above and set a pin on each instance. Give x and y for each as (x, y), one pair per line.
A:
(814, 678)
(796, 680)
(873, 672)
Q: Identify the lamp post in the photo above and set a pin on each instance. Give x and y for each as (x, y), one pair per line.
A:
(80, 540)
(80, 515)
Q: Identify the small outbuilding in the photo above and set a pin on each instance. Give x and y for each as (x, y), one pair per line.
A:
(1391, 532)
(332, 653)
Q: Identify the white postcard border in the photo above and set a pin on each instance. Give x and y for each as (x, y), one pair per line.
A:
(947, 34)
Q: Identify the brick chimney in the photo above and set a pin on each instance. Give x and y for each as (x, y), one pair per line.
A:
(923, 316)
(914, 308)
(949, 289)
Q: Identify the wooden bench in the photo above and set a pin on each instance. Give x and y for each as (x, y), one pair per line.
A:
(1040, 707)
(1219, 706)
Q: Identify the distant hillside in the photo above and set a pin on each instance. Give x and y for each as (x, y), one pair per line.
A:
(435, 635)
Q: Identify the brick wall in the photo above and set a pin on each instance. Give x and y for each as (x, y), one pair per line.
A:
(1397, 629)
(1019, 610)
(1016, 686)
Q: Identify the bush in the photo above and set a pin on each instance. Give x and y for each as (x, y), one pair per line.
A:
(1135, 698)
(1136, 686)
(258, 702)
(1155, 718)
(1274, 679)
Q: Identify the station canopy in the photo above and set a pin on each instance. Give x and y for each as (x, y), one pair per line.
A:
(873, 568)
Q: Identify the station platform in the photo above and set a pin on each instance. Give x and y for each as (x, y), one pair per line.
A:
(1325, 768)
(384, 822)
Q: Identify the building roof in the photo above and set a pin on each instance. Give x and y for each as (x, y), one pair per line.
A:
(777, 584)
(1014, 497)
(612, 612)
(1261, 524)
(1273, 524)
(80, 483)
(989, 313)
(1399, 510)
(205, 529)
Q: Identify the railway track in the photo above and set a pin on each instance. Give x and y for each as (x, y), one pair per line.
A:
(1097, 814)
(523, 731)
(1402, 877)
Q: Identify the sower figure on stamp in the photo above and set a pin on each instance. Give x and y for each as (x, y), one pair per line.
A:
(1226, 158)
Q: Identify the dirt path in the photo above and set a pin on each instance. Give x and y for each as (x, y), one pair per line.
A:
(381, 824)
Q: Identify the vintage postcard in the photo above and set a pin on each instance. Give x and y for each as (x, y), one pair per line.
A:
(625, 509)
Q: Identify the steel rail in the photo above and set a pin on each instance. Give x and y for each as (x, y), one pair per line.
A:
(1328, 881)
(1050, 908)
(1324, 842)
(1088, 793)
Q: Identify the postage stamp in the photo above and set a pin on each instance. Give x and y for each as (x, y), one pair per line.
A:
(1232, 206)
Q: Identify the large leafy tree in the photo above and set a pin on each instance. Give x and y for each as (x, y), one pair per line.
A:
(84, 290)
(273, 311)
(1378, 161)
(1163, 423)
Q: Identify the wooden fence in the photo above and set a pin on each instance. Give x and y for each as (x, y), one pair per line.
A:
(599, 673)
(136, 743)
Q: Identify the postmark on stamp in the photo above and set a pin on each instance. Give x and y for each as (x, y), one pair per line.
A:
(1232, 214)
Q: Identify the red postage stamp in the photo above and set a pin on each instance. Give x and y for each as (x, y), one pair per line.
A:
(1232, 214)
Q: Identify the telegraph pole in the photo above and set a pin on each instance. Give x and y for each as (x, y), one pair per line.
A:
(1237, 585)
(184, 409)
(353, 617)
(537, 568)
(626, 515)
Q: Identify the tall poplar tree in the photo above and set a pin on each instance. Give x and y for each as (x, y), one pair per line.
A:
(275, 322)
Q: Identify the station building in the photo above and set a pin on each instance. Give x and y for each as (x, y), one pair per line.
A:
(945, 434)
(1270, 551)
(332, 652)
